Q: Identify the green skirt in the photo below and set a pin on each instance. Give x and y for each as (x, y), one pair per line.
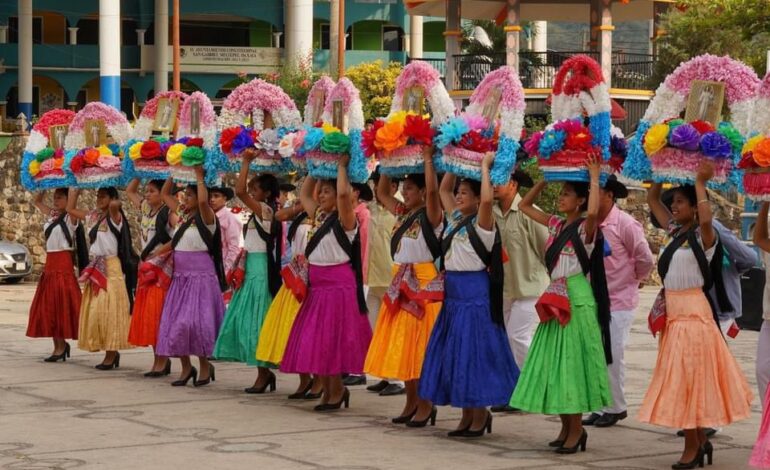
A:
(565, 371)
(239, 334)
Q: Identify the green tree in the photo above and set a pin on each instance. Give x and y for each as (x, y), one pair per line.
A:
(377, 84)
(738, 28)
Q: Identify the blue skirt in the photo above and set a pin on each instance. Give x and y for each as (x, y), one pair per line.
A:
(468, 363)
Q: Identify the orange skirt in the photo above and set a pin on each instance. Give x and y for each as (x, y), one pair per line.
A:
(400, 338)
(697, 382)
(145, 319)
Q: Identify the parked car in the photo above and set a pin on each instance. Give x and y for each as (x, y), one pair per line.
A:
(15, 262)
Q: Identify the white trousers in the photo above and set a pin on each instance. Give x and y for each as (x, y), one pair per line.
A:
(763, 361)
(374, 297)
(620, 328)
(520, 320)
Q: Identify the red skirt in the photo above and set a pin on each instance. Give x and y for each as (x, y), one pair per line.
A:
(145, 319)
(55, 309)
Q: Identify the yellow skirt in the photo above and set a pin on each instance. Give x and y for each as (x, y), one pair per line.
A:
(278, 322)
(105, 317)
(400, 338)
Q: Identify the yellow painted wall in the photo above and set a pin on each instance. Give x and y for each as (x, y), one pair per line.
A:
(51, 94)
(54, 27)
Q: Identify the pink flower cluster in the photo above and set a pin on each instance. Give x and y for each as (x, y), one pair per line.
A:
(151, 107)
(578, 73)
(507, 81)
(741, 81)
(258, 94)
(344, 90)
(99, 111)
(54, 117)
(208, 117)
(764, 89)
(417, 73)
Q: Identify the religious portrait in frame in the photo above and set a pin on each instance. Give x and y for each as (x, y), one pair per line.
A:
(95, 133)
(165, 116)
(195, 118)
(338, 114)
(491, 106)
(56, 135)
(318, 99)
(705, 102)
(414, 100)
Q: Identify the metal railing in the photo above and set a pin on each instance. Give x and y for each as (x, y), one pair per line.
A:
(632, 71)
(438, 64)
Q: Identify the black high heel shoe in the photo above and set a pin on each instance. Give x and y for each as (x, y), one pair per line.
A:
(270, 383)
(335, 406)
(581, 444)
(404, 418)
(459, 432)
(313, 396)
(422, 423)
(212, 378)
(696, 462)
(193, 374)
(301, 394)
(708, 452)
(114, 365)
(59, 357)
(487, 428)
(556, 443)
(160, 373)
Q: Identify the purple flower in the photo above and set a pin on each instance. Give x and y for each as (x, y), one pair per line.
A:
(165, 145)
(618, 146)
(183, 140)
(684, 137)
(715, 145)
(242, 141)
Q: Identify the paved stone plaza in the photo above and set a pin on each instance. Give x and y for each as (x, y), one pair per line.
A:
(72, 416)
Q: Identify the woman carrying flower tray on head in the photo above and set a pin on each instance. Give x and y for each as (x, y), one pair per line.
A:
(260, 266)
(155, 270)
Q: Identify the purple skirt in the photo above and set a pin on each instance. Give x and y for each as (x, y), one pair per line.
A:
(193, 309)
(330, 336)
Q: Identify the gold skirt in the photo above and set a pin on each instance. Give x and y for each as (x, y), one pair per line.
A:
(105, 316)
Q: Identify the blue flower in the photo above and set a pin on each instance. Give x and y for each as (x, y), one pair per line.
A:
(242, 141)
(312, 139)
(551, 142)
(715, 145)
(451, 132)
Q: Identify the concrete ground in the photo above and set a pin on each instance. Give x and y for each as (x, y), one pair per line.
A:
(69, 415)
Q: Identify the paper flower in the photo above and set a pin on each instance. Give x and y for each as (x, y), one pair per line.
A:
(104, 150)
(570, 126)
(328, 128)
(135, 151)
(174, 154)
(312, 139)
(732, 134)
(714, 144)
(368, 137)
(192, 156)
(419, 130)
(580, 140)
(674, 123)
(552, 141)
(286, 146)
(44, 154)
(268, 141)
(192, 142)
(684, 137)
(475, 141)
(47, 165)
(227, 137)
(752, 143)
(58, 163)
(34, 167)
(451, 132)
(243, 140)
(150, 149)
(655, 138)
(335, 142)
(532, 145)
(702, 126)
(390, 136)
(91, 156)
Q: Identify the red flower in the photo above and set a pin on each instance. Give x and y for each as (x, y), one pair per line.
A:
(76, 164)
(195, 142)
(747, 161)
(474, 141)
(318, 124)
(418, 130)
(150, 149)
(702, 127)
(578, 141)
(367, 138)
(226, 139)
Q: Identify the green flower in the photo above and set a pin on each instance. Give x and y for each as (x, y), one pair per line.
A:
(44, 154)
(673, 124)
(335, 142)
(160, 139)
(733, 135)
(193, 156)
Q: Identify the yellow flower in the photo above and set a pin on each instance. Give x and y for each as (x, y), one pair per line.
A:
(390, 137)
(655, 139)
(752, 143)
(34, 167)
(174, 154)
(399, 117)
(104, 150)
(135, 151)
(328, 128)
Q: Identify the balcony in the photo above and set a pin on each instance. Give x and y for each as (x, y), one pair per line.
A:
(80, 56)
(538, 69)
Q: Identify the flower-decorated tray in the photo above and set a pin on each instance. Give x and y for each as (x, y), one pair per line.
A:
(242, 125)
(668, 149)
(399, 139)
(492, 121)
(94, 146)
(755, 155)
(562, 149)
(322, 146)
(151, 163)
(43, 159)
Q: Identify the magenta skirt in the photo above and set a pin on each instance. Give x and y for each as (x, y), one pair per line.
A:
(330, 335)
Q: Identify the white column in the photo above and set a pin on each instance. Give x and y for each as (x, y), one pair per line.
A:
(3, 34)
(299, 30)
(605, 40)
(540, 36)
(277, 38)
(161, 45)
(109, 52)
(25, 58)
(140, 37)
(334, 34)
(512, 30)
(415, 37)
(73, 35)
(452, 36)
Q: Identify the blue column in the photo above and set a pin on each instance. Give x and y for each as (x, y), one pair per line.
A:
(109, 52)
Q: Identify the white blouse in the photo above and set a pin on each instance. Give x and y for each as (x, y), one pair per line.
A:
(461, 255)
(57, 241)
(684, 272)
(328, 252)
(253, 243)
(568, 264)
(191, 240)
(106, 244)
(148, 224)
(300, 239)
(413, 248)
